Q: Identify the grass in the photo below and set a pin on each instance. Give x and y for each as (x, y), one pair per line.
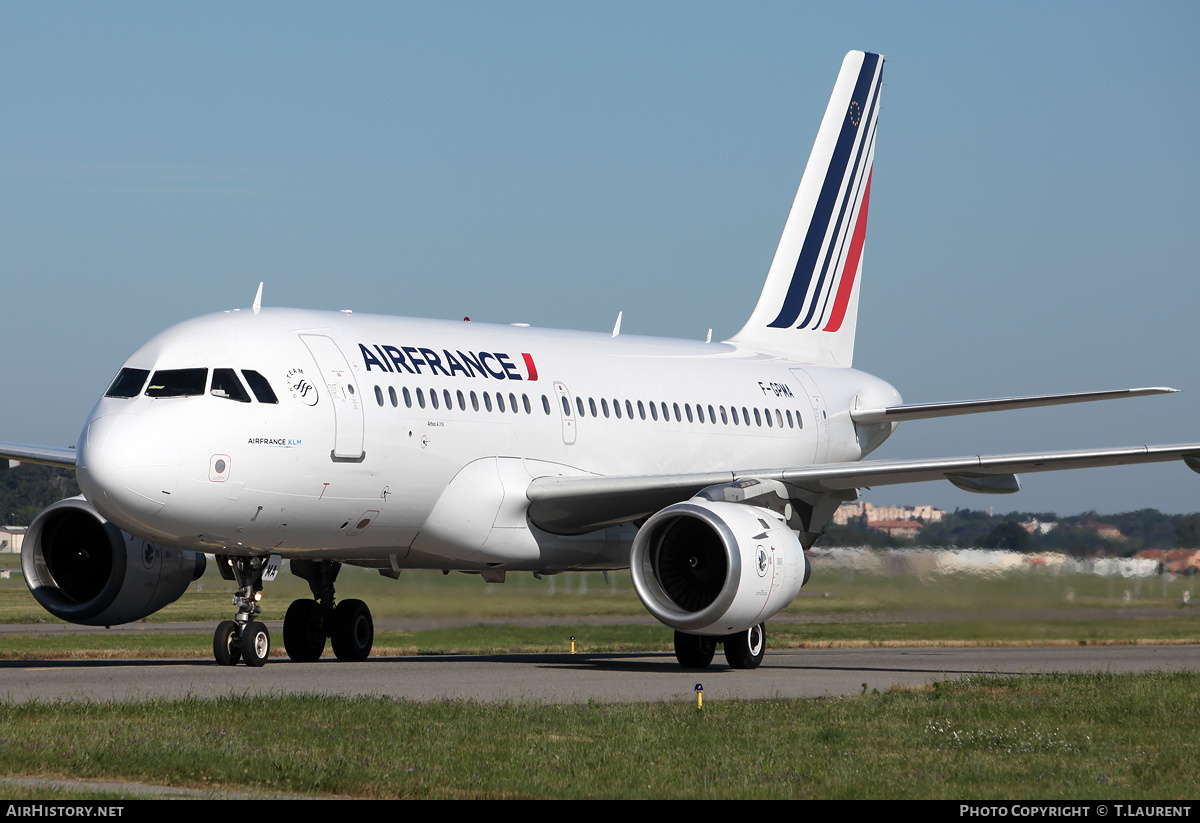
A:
(830, 592)
(504, 639)
(1098, 736)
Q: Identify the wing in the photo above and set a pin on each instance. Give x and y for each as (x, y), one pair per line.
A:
(571, 505)
(63, 458)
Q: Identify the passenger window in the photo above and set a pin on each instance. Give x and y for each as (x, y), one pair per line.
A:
(392, 396)
(546, 403)
(378, 392)
(525, 403)
(225, 384)
(128, 383)
(259, 385)
(177, 383)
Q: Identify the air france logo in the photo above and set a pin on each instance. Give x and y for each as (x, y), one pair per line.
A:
(410, 359)
(762, 561)
(301, 388)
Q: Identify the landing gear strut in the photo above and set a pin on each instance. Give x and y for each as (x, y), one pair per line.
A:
(309, 622)
(743, 650)
(243, 638)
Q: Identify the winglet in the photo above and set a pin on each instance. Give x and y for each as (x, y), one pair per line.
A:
(258, 299)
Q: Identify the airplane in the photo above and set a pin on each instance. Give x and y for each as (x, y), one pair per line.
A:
(326, 438)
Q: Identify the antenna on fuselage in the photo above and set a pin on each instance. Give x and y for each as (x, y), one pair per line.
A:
(617, 327)
(258, 299)
(709, 338)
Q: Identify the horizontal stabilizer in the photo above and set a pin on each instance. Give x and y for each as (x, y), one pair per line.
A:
(922, 411)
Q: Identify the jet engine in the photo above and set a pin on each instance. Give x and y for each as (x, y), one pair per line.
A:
(715, 568)
(83, 569)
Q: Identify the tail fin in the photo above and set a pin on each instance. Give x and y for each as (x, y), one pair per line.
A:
(808, 308)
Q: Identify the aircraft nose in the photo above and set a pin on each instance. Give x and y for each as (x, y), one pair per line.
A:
(128, 466)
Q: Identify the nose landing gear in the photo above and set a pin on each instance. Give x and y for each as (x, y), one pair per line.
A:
(243, 638)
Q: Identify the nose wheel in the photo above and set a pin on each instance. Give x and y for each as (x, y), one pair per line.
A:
(244, 638)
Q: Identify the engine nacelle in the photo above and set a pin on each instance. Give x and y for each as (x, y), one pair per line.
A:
(83, 569)
(716, 568)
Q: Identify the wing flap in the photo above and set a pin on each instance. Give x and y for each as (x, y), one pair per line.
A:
(572, 505)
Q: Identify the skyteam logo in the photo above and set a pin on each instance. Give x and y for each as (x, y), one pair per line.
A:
(301, 388)
(823, 279)
(411, 359)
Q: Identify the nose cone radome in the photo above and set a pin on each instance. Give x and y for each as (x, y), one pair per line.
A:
(128, 466)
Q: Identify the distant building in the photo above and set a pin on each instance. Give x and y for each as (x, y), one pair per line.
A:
(878, 514)
(11, 538)
(897, 528)
(1104, 531)
(1035, 526)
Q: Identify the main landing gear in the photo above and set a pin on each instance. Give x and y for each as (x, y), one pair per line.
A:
(243, 638)
(743, 650)
(308, 623)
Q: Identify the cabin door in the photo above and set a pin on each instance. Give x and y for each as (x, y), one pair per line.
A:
(343, 394)
(820, 417)
(568, 413)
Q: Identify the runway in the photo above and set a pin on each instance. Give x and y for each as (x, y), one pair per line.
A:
(565, 678)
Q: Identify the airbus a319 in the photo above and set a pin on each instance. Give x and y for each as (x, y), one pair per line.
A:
(323, 438)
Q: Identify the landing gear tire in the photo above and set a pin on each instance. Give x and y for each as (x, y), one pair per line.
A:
(227, 644)
(745, 650)
(694, 651)
(255, 644)
(304, 631)
(353, 631)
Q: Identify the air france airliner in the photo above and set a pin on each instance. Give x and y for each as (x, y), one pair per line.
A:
(324, 438)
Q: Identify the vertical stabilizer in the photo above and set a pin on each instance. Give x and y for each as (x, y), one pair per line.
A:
(808, 308)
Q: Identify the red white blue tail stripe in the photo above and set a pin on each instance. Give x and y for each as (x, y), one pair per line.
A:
(812, 283)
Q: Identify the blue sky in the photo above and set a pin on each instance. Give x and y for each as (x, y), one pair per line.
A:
(1033, 218)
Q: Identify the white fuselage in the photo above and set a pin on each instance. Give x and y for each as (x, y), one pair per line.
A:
(395, 441)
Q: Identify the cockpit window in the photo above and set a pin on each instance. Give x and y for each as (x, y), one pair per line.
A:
(259, 385)
(177, 383)
(128, 383)
(226, 384)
